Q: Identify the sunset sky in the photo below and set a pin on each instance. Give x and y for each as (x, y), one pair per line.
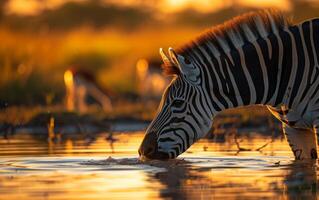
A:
(30, 7)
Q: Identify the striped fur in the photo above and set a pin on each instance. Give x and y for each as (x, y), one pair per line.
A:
(257, 58)
(234, 33)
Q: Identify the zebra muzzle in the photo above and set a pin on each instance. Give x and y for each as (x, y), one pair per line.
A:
(149, 148)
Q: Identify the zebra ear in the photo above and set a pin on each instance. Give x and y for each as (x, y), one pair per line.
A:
(169, 67)
(165, 59)
(188, 69)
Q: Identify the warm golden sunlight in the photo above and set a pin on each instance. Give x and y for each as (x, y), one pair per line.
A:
(23, 7)
(199, 172)
(285, 5)
(200, 6)
(32, 7)
(68, 80)
(120, 99)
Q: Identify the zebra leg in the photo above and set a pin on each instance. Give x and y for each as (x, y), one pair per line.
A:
(303, 142)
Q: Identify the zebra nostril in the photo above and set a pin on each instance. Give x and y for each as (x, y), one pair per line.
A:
(149, 151)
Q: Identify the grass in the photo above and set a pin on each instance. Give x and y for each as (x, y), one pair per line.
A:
(104, 39)
(40, 115)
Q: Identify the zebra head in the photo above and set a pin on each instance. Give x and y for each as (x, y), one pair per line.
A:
(183, 116)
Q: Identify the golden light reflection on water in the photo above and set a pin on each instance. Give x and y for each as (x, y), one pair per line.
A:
(79, 169)
(78, 185)
(128, 143)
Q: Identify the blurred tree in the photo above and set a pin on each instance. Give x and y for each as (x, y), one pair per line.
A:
(74, 14)
(2, 7)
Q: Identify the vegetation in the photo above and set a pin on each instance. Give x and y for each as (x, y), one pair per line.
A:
(106, 39)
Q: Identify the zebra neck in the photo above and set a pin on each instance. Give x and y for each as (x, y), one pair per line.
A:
(280, 70)
(248, 75)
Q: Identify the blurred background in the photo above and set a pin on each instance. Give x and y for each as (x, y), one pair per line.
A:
(82, 78)
(46, 45)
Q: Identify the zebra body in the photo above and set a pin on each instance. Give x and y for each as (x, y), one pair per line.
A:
(258, 58)
(298, 107)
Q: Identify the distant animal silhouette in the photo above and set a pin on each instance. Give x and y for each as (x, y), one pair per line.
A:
(81, 84)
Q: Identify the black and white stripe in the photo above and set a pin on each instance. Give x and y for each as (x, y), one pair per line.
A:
(259, 58)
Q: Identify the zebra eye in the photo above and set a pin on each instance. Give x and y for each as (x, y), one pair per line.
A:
(178, 103)
(187, 62)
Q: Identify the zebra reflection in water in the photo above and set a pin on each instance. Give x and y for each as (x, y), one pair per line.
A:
(257, 58)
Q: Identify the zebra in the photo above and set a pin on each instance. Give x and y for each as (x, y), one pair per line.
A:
(258, 58)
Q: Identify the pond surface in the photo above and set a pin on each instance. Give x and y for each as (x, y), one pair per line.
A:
(106, 166)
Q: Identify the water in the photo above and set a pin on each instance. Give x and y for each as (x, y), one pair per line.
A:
(107, 167)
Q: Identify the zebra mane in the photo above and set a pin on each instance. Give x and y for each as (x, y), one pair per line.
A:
(236, 33)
